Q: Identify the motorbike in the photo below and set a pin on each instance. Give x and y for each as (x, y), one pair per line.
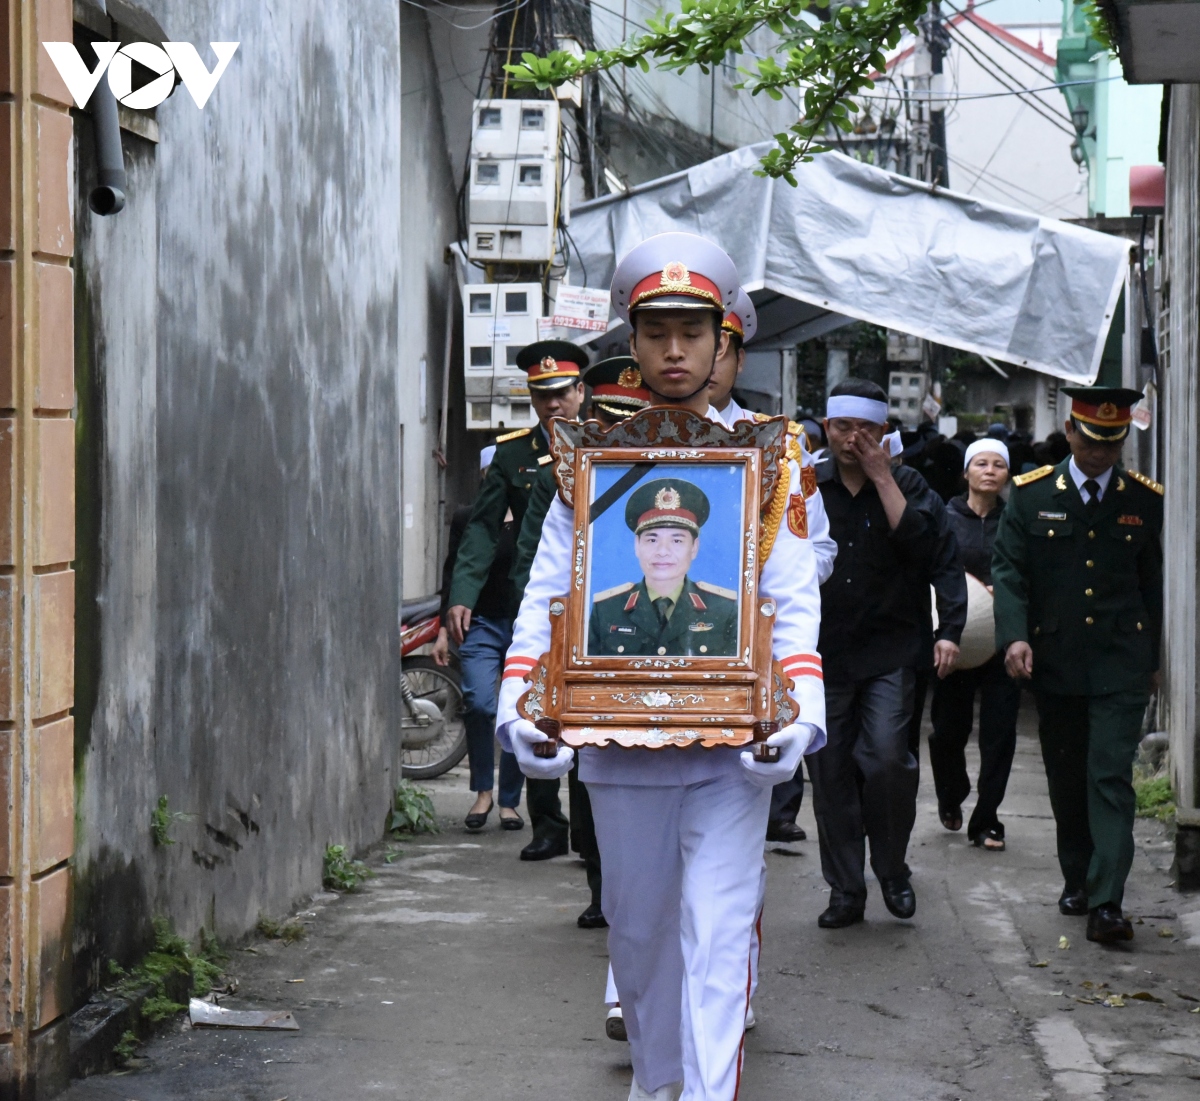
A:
(433, 735)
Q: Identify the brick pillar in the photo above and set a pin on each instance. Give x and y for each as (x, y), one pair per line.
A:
(37, 545)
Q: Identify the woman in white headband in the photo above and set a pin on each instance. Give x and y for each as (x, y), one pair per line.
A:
(975, 517)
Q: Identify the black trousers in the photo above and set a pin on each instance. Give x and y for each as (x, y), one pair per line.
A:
(787, 797)
(583, 830)
(865, 782)
(953, 715)
(546, 818)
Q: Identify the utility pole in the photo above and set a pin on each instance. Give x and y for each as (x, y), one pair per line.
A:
(939, 42)
(927, 123)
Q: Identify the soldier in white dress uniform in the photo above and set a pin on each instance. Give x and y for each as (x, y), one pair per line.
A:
(741, 323)
(680, 830)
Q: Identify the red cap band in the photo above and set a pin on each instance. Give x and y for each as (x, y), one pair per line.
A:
(675, 279)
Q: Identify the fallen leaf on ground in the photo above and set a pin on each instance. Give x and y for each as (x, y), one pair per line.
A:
(1186, 997)
(1063, 943)
(1145, 996)
(1115, 1001)
(293, 980)
(1040, 963)
(1084, 1001)
(1196, 1010)
(1166, 931)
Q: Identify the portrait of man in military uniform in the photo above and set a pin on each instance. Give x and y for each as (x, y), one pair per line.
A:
(667, 612)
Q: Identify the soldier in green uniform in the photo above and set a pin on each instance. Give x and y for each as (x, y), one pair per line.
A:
(1077, 569)
(616, 393)
(666, 613)
(555, 390)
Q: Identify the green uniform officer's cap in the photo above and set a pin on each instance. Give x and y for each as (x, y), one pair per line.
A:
(667, 503)
(1102, 413)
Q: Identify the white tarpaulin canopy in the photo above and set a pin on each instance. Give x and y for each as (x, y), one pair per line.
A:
(854, 240)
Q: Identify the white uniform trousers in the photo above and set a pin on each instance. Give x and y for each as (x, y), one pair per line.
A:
(682, 868)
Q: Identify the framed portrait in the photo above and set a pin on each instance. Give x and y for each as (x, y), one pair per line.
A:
(663, 638)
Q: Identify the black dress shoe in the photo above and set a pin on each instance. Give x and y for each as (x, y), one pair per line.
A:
(839, 915)
(512, 822)
(783, 830)
(592, 918)
(1107, 925)
(899, 897)
(1073, 902)
(543, 848)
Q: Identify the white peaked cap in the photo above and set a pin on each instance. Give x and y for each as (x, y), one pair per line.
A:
(743, 308)
(689, 272)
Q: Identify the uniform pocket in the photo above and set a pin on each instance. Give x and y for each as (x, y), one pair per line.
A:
(1050, 529)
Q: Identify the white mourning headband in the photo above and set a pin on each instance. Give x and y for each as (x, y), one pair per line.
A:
(987, 444)
(862, 409)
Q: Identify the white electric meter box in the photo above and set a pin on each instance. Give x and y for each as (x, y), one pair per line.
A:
(499, 319)
(510, 244)
(515, 128)
(513, 191)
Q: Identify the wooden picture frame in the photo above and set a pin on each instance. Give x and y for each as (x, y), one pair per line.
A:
(665, 476)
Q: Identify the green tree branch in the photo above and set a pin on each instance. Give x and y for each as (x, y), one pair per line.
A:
(827, 60)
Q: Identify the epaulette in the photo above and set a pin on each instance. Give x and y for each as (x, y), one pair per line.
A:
(616, 590)
(797, 441)
(513, 435)
(1032, 476)
(1149, 483)
(716, 590)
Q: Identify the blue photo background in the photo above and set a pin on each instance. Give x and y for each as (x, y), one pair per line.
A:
(719, 561)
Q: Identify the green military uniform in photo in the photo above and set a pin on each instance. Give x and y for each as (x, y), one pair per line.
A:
(520, 457)
(1082, 584)
(697, 618)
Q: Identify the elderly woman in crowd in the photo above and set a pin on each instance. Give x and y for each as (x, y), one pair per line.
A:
(975, 517)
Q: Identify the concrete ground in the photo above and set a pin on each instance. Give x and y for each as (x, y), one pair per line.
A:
(458, 974)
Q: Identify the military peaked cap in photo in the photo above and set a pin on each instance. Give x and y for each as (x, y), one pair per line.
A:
(552, 364)
(742, 320)
(676, 271)
(667, 503)
(616, 385)
(1102, 413)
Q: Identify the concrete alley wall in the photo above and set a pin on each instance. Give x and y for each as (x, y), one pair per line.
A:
(239, 372)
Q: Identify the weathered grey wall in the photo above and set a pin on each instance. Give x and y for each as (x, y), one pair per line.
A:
(1179, 339)
(240, 473)
(427, 202)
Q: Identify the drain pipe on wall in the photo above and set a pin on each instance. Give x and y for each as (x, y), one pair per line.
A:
(108, 196)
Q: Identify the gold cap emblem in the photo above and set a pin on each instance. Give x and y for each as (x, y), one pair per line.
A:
(630, 378)
(1107, 412)
(549, 363)
(667, 498)
(676, 272)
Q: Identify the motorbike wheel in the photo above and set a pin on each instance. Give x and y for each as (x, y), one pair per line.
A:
(439, 685)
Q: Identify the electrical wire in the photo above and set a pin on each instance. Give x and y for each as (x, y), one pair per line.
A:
(1007, 80)
(999, 41)
(498, 14)
(935, 97)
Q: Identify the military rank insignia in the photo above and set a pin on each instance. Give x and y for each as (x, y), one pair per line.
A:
(1132, 521)
(797, 514)
(808, 480)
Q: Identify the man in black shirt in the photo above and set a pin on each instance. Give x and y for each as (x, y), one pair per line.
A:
(872, 612)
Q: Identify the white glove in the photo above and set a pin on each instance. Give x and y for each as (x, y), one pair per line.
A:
(524, 736)
(792, 742)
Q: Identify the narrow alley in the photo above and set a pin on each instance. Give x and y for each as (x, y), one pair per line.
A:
(458, 973)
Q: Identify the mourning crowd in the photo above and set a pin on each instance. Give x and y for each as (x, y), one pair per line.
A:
(913, 571)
